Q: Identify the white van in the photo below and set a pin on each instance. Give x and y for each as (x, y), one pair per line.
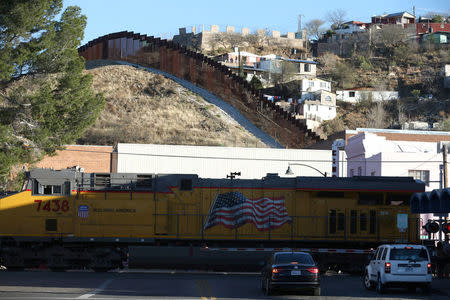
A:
(399, 266)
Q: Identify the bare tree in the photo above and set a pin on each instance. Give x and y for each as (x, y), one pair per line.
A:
(376, 116)
(228, 39)
(314, 28)
(259, 39)
(336, 17)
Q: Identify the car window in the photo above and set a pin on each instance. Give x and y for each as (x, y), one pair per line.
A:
(375, 254)
(379, 253)
(409, 254)
(383, 256)
(287, 258)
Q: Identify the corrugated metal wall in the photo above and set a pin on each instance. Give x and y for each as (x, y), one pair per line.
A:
(217, 162)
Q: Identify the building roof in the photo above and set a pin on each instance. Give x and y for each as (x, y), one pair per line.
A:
(300, 60)
(417, 132)
(355, 22)
(398, 14)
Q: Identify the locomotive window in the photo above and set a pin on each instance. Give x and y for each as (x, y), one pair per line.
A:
(397, 199)
(373, 220)
(51, 225)
(353, 218)
(332, 221)
(56, 189)
(363, 222)
(186, 185)
(341, 221)
(47, 189)
(326, 194)
(370, 198)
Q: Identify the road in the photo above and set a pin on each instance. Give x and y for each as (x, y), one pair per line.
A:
(149, 284)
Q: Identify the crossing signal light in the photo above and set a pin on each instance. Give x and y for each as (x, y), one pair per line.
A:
(445, 227)
(431, 227)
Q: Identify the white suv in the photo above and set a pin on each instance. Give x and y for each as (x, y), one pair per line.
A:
(399, 265)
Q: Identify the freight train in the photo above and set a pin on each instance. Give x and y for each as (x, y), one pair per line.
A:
(71, 219)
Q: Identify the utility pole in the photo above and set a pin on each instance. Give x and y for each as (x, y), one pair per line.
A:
(444, 156)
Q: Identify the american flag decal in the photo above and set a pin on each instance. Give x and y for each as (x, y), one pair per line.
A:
(233, 210)
(83, 211)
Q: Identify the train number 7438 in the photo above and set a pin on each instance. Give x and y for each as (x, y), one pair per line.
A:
(53, 205)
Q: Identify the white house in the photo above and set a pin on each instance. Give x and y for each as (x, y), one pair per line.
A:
(314, 84)
(218, 162)
(384, 152)
(351, 27)
(354, 96)
(274, 64)
(233, 58)
(318, 109)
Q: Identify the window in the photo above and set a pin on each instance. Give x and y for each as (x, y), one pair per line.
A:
(352, 172)
(328, 98)
(409, 254)
(311, 83)
(423, 175)
(307, 68)
(383, 256)
(51, 189)
(287, 258)
(373, 173)
(359, 171)
(380, 250)
(351, 94)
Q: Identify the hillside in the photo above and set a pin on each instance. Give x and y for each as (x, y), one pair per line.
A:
(143, 107)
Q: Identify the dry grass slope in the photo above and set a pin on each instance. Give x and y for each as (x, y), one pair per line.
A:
(143, 107)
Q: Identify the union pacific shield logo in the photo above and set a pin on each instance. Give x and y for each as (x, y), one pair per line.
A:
(83, 211)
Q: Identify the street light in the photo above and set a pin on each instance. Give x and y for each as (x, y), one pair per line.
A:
(289, 170)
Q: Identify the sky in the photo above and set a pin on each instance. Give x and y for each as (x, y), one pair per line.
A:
(163, 18)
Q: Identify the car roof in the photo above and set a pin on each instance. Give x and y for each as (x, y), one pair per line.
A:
(401, 246)
(289, 252)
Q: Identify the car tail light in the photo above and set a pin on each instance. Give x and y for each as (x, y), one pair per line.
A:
(429, 268)
(314, 270)
(387, 267)
(275, 271)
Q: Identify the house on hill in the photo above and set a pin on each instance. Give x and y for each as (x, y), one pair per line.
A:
(395, 18)
(354, 96)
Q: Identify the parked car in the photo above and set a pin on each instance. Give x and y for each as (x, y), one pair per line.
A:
(399, 266)
(290, 271)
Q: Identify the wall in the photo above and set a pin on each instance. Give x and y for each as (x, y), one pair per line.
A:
(366, 95)
(203, 40)
(206, 73)
(95, 159)
(218, 162)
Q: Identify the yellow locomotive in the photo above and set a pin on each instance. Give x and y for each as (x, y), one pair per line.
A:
(71, 219)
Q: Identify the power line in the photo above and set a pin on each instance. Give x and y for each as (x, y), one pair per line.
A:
(253, 159)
